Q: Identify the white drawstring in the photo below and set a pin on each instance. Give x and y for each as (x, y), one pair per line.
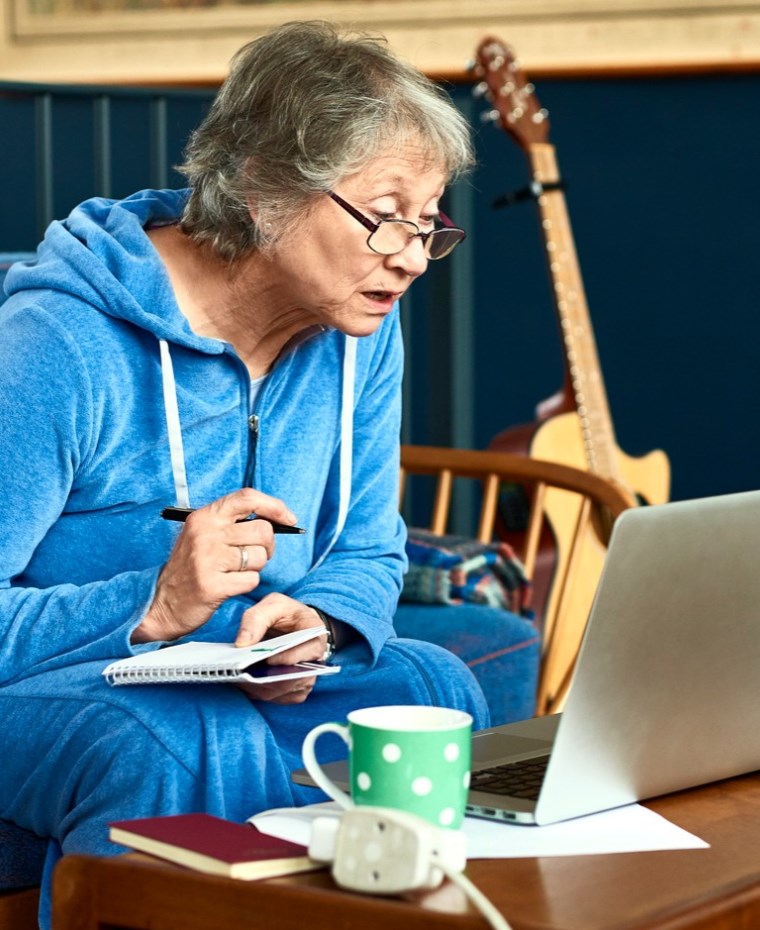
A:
(346, 443)
(176, 450)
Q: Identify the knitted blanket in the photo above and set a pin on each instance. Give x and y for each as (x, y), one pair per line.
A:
(455, 569)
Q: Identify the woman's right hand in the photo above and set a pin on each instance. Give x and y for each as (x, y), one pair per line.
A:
(218, 554)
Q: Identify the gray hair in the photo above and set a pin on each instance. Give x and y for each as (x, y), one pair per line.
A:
(302, 108)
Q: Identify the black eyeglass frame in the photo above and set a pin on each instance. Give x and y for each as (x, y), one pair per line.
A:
(425, 237)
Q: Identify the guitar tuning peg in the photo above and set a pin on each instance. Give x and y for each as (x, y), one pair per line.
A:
(480, 90)
(506, 89)
(495, 48)
(490, 116)
(540, 116)
(515, 115)
(529, 87)
(496, 63)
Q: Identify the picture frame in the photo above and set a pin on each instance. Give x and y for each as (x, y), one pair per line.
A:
(193, 40)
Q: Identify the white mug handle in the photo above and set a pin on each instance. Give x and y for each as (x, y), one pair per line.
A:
(313, 767)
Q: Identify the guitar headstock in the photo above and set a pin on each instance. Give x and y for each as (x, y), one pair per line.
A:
(510, 93)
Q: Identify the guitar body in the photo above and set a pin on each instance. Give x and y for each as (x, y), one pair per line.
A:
(558, 439)
(574, 427)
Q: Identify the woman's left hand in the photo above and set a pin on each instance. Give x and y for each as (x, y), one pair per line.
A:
(274, 615)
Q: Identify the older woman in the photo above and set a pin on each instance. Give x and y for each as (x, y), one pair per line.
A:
(233, 349)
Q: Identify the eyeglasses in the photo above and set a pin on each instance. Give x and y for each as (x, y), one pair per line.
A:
(389, 237)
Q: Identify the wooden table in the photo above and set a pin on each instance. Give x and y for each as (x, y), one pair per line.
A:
(717, 888)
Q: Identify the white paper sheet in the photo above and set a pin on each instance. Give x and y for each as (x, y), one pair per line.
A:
(632, 828)
(625, 829)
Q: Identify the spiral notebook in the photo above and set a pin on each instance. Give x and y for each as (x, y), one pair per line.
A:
(217, 663)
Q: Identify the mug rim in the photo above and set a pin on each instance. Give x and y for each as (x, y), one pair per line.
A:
(410, 723)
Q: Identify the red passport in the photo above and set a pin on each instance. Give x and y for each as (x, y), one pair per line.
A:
(211, 844)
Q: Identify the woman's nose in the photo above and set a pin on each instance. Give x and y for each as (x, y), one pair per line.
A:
(412, 258)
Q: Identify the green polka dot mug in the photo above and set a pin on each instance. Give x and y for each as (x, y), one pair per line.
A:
(413, 759)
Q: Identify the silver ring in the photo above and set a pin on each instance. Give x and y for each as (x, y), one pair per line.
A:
(243, 558)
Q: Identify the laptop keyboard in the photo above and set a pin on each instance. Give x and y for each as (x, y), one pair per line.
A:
(517, 779)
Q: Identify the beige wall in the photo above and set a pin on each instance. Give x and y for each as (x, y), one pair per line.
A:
(166, 44)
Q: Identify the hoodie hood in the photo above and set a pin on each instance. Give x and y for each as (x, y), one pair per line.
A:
(101, 255)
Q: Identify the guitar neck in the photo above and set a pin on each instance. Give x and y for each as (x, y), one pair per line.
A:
(583, 371)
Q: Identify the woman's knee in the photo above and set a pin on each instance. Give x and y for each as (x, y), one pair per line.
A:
(439, 677)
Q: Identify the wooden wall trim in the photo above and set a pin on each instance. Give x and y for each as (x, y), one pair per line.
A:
(157, 43)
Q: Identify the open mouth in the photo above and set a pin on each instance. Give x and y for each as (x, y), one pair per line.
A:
(381, 296)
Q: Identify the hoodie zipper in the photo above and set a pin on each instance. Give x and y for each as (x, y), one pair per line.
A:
(252, 419)
(253, 438)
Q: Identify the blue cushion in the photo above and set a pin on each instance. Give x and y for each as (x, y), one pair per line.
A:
(22, 855)
(501, 649)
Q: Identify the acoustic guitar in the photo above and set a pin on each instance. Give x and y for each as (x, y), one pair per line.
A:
(574, 426)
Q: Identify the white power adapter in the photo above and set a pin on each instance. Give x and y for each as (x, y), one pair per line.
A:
(381, 851)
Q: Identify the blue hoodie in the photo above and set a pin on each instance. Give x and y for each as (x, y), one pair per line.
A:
(86, 457)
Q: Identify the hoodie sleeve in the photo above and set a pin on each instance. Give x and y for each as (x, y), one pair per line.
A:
(359, 582)
(46, 437)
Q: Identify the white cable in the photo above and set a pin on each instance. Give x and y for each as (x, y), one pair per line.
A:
(481, 902)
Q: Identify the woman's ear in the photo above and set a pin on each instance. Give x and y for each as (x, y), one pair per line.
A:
(264, 230)
(252, 209)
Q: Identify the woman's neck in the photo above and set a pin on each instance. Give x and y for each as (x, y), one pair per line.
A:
(230, 302)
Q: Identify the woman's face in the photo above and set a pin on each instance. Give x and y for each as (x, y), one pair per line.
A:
(326, 271)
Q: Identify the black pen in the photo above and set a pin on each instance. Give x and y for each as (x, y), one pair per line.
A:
(180, 514)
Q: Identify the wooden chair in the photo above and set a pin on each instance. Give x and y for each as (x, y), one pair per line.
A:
(576, 506)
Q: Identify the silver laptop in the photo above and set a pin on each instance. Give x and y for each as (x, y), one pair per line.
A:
(666, 693)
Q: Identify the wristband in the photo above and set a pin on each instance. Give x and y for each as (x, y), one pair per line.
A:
(330, 645)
